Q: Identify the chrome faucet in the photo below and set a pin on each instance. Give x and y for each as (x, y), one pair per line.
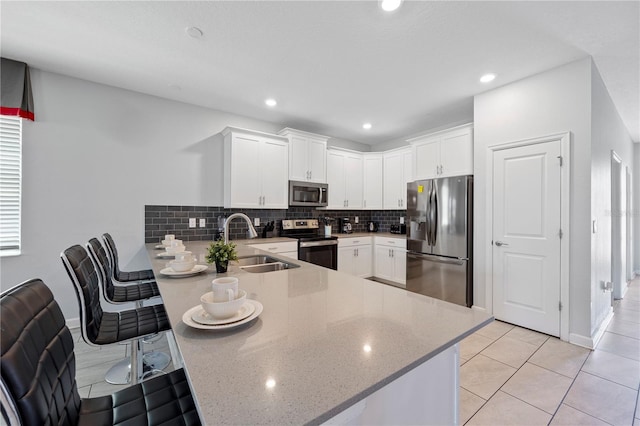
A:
(252, 231)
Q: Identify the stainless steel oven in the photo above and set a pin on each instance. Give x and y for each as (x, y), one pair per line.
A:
(308, 194)
(312, 247)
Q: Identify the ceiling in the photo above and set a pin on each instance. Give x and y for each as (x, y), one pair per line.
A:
(332, 66)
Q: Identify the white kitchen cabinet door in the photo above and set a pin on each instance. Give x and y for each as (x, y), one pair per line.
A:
(273, 162)
(317, 159)
(383, 265)
(256, 169)
(353, 181)
(298, 152)
(335, 180)
(363, 265)
(427, 159)
(393, 180)
(456, 153)
(307, 155)
(407, 173)
(245, 189)
(399, 266)
(372, 182)
(446, 153)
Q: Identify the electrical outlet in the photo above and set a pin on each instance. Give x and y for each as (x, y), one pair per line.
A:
(203, 222)
(192, 222)
(256, 221)
(357, 219)
(401, 220)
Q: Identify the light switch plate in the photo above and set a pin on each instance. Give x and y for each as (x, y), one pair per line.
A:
(357, 219)
(203, 222)
(401, 220)
(256, 221)
(192, 222)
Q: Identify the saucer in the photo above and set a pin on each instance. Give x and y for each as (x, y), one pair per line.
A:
(171, 273)
(202, 317)
(165, 255)
(186, 318)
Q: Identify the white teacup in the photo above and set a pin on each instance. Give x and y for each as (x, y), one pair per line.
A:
(224, 289)
(175, 249)
(175, 243)
(184, 256)
(170, 237)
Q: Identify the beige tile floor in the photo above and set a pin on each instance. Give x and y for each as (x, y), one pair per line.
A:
(514, 376)
(509, 375)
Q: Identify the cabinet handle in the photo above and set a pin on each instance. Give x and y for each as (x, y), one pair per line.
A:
(356, 250)
(356, 241)
(389, 254)
(310, 174)
(393, 254)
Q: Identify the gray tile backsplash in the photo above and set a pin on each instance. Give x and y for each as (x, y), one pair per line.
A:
(162, 220)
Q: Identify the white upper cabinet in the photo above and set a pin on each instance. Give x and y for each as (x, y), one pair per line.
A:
(397, 171)
(372, 185)
(344, 176)
(307, 155)
(255, 169)
(442, 154)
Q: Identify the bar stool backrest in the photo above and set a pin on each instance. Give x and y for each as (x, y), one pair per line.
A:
(112, 252)
(85, 280)
(37, 362)
(99, 256)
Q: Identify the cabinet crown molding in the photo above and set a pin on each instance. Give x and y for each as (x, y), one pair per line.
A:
(424, 136)
(230, 129)
(289, 131)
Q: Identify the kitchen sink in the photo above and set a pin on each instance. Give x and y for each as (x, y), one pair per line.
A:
(260, 259)
(261, 263)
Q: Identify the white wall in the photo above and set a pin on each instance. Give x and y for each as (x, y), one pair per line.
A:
(636, 207)
(94, 157)
(555, 101)
(608, 133)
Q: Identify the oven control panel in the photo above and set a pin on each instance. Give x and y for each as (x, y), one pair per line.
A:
(291, 224)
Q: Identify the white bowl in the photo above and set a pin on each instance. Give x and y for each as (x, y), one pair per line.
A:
(222, 310)
(181, 265)
(174, 250)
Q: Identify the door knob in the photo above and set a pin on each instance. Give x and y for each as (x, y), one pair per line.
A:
(500, 244)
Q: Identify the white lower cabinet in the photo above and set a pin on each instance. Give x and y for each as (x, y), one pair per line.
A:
(391, 259)
(355, 256)
(288, 248)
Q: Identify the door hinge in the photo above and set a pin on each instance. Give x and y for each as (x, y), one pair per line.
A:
(560, 158)
(559, 306)
(560, 234)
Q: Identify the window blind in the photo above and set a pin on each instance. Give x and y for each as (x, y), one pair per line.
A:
(10, 183)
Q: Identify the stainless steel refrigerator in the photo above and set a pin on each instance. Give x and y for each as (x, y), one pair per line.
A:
(439, 238)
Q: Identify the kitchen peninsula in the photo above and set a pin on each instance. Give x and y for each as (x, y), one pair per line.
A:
(327, 347)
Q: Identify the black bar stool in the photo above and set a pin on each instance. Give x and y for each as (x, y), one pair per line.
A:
(119, 294)
(123, 276)
(103, 328)
(39, 386)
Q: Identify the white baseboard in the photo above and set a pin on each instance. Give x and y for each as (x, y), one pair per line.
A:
(591, 341)
(73, 323)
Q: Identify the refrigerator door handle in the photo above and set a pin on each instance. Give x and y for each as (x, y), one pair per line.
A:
(429, 218)
(437, 259)
(434, 221)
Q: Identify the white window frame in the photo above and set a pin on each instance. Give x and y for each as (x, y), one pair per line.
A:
(10, 185)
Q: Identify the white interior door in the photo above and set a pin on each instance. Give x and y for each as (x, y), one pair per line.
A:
(526, 236)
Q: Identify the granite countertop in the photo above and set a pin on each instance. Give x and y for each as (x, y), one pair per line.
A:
(307, 343)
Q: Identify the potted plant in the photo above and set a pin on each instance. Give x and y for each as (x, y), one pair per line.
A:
(221, 254)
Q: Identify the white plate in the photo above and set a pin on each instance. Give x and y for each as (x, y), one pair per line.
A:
(186, 318)
(165, 255)
(202, 317)
(171, 273)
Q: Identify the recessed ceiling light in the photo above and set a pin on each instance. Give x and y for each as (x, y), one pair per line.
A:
(487, 78)
(390, 5)
(366, 126)
(271, 102)
(194, 32)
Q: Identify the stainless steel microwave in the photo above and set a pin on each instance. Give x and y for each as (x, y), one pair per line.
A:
(308, 194)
